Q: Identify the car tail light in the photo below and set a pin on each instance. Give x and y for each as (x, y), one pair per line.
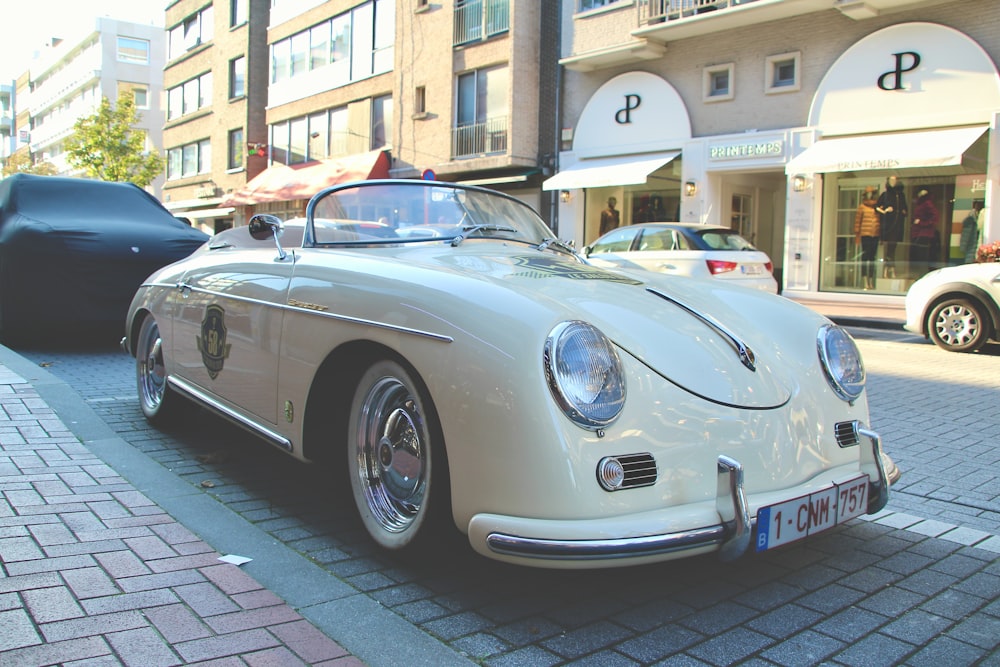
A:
(769, 266)
(717, 266)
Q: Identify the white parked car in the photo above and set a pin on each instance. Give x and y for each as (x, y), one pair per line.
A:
(957, 307)
(484, 379)
(685, 249)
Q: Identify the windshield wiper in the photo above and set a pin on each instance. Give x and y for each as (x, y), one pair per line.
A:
(474, 229)
(557, 243)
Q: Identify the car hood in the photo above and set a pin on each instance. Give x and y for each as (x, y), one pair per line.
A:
(688, 331)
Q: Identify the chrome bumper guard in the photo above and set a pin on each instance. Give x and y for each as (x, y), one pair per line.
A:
(732, 535)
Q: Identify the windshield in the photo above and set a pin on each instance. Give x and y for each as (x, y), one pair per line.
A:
(379, 212)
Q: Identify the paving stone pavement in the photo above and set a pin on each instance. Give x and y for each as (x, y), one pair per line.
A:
(918, 584)
(92, 572)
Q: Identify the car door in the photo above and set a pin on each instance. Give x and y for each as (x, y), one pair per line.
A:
(227, 326)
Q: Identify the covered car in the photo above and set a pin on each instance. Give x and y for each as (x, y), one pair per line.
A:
(485, 379)
(74, 251)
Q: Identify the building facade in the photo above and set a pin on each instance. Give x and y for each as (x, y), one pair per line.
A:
(360, 89)
(215, 99)
(773, 117)
(70, 79)
(8, 125)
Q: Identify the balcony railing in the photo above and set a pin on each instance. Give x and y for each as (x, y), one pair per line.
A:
(485, 138)
(476, 20)
(658, 11)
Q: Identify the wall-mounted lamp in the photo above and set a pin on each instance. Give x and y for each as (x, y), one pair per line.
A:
(565, 196)
(690, 188)
(799, 182)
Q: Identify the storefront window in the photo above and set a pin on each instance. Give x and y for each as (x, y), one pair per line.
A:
(868, 245)
(658, 200)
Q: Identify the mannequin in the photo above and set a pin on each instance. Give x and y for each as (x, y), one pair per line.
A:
(892, 210)
(923, 231)
(866, 234)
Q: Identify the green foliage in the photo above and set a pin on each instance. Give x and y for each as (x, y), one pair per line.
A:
(107, 147)
(20, 163)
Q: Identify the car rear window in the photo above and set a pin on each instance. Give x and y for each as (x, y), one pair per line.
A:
(724, 240)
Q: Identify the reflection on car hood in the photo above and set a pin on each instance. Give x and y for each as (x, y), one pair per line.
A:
(681, 337)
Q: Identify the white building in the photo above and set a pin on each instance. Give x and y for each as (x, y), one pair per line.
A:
(773, 116)
(69, 80)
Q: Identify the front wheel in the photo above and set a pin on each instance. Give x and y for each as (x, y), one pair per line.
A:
(396, 460)
(155, 397)
(959, 325)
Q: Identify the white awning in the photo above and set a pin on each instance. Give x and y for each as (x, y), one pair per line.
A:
(608, 171)
(202, 213)
(899, 150)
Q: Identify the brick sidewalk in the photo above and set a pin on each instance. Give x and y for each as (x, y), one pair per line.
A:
(93, 571)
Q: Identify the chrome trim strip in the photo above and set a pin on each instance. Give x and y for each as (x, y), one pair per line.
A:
(731, 502)
(197, 394)
(311, 311)
(746, 355)
(878, 491)
(625, 547)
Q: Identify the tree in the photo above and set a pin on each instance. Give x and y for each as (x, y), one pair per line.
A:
(107, 147)
(20, 163)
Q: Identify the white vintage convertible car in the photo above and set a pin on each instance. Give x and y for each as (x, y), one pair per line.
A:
(460, 368)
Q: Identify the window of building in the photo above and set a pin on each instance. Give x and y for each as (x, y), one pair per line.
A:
(190, 96)
(236, 150)
(132, 50)
(781, 73)
(718, 83)
(193, 31)
(352, 46)
(237, 77)
(481, 112)
(381, 122)
(237, 12)
(319, 136)
(477, 20)
(586, 5)
(420, 101)
(140, 95)
(189, 160)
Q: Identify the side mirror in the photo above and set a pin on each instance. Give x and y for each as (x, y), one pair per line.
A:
(263, 226)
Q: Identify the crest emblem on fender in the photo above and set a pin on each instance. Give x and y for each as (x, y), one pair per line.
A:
(212, 342)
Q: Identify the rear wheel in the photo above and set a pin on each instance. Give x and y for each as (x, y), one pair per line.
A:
(155, 397)
(396, 460)
(959, 324)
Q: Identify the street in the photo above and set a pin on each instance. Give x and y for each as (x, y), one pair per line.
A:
(917, 584)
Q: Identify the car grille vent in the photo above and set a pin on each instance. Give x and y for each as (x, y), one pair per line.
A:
(640, 470)
(847, 433)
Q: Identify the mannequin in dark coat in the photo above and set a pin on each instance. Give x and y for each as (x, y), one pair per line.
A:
(892, 211)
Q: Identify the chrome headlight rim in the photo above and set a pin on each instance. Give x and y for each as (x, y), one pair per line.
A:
(841, 362)
(563, 374)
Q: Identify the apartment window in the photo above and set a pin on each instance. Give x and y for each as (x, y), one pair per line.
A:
(340, 132)
(481, 111)
(141, 97)
(237, 77)
(237, 12)
(718, 83)
(236, 150)
(319, 136)
(350, 46)
(480, 19)
(781, 73)
(131, 50)
(190, 96)
(595, 4)
(420, 101)
(189, 160)
(191, 32)
(381, 122)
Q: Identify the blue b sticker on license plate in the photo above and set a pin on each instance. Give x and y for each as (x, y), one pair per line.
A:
(794, 519)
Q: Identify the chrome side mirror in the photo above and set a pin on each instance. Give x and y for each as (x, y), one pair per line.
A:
(265, 225)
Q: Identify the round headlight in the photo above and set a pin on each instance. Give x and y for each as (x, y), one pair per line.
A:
(585, 374)
(841, 362)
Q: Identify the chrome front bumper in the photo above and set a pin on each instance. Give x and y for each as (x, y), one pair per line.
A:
(731, 537)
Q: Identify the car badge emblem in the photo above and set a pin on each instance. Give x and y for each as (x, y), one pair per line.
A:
(212, 342)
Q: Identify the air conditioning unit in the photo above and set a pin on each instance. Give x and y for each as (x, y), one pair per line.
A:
(204, 192)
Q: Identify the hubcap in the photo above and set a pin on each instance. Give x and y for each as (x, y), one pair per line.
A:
(957, 325)
(151, 373)
(392, 455)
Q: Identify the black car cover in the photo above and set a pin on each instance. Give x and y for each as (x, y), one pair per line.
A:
(74, 251)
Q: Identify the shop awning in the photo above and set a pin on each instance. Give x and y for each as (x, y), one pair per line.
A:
(608, 171)
(203, 213)
(281, 182)
(899, 150)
